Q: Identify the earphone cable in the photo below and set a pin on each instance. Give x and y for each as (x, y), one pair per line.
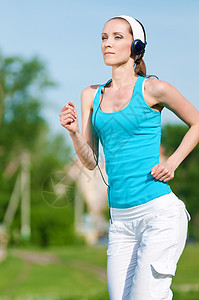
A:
(98, 136)
(97, 159)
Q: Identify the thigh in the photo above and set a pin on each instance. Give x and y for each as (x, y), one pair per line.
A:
(121, 260)
(163, 241)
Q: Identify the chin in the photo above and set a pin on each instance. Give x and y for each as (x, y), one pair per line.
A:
(111, 62)
(108, 63)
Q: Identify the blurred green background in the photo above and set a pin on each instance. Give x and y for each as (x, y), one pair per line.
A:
(43, 255)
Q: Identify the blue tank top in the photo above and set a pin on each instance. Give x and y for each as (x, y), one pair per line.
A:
(131, 142)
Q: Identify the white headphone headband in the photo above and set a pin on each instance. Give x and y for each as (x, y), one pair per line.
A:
(137, 29)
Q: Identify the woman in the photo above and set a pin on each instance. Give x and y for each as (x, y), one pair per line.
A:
(148, 222)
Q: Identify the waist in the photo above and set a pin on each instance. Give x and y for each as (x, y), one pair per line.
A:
(139, 211)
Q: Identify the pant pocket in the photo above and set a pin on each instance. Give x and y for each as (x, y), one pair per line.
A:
(188, 215)
(163, 268)
(186, 211)
(116, 236)
(161, 279)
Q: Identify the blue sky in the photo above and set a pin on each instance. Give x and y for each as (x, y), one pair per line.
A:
(67, 36)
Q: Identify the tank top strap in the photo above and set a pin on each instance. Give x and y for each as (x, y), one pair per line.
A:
(97, 95)
(139, 83)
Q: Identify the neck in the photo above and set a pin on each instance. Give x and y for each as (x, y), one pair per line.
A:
(123, 75)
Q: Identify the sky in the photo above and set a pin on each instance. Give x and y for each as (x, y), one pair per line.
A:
(66, 35)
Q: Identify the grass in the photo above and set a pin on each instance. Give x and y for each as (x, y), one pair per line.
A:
(61, 280)
(186, 281)
(188, 266)
(78, 273)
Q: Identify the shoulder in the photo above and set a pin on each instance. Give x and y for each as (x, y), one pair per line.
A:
(156, 88)
(90, 90)
(87, 95)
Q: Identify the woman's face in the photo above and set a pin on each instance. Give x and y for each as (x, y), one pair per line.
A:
(116, 42)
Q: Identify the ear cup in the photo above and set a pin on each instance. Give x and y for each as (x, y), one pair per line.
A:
(138, 47)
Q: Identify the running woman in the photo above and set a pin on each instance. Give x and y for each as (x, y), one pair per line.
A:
(148, 222)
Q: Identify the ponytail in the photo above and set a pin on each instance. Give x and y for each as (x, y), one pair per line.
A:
(140, 67)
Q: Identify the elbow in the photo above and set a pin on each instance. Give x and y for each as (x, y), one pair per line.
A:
(91, 167)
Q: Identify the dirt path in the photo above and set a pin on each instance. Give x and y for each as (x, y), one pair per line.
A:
(44, 259)
(187, 287)
(99, 272)
(35, 257)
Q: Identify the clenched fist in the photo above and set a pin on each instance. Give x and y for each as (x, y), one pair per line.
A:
(69, 118)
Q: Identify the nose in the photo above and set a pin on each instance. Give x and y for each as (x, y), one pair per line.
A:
(108, 43)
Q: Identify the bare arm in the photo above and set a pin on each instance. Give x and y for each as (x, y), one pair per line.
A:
(167, 95)
(87, 142)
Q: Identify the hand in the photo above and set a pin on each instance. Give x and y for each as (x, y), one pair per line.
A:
(69, 117)
(163, 171)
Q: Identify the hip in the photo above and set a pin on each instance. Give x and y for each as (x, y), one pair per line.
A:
(158, 204)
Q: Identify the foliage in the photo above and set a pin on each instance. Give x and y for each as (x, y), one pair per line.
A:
(186, 177)
(19, 79)
(23, 130)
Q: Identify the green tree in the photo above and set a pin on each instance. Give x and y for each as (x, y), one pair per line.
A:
(185, 182)
(20, 77)
(24, 130)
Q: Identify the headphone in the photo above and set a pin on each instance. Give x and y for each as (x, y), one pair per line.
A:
(138, 47)
(139, 34)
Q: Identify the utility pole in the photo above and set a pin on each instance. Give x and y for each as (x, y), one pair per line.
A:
(25, 196)
(21, 190)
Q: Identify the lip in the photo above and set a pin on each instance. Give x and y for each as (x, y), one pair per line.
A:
(106, 53)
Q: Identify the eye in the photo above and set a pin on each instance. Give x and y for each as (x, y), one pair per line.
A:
(118, 37)
(104, 38)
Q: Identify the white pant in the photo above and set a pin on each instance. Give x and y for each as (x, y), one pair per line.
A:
(144, 245)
